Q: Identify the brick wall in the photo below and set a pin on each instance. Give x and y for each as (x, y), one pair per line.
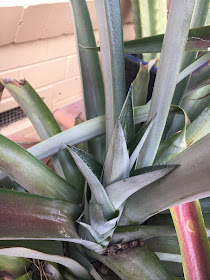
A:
(38, 44)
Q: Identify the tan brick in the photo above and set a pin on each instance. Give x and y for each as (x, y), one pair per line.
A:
(128, 32)
(61, 46)
(33, 21)
(44, 73)
(67, 101)
(58, 21)
(126, 10)
(9, 21)
(72, 67)
(17, 55)
(92, 12)
(7, 104)
(66, 89)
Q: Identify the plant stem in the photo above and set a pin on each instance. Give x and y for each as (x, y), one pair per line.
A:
(193, 240)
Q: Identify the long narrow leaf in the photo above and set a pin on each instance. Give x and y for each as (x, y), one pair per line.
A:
(201, 8)
(45, 125)
(74, 266)
(165, 82)
(96, 187)
(199, 128)
(112, 52)
(143, 264)
(195, 65)
(198, 40)
(32, 174)
(90, 69)
(118, 192)
(116, 166)
(142, 232)
(30, 216)
(173, 190)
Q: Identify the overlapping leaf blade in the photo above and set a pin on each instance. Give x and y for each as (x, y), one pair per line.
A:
(198, 40)
(32, 174)
(119, 192)
(98, 192)
(46, 126)
(116, 166)
(30, 216)
(172, 190)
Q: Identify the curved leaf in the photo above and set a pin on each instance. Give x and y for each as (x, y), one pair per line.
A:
(195, 65)
(174, 144)
(32, 174)
(179, 187)
(198, 40)
(74, 266)
(98, 192)
(142, 232)
(45, 125)
(23, 215)
(143, 264)
(118, 192)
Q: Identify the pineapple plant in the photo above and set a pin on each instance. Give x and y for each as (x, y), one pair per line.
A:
(104, 213)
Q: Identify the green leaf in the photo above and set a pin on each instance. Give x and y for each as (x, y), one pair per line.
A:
(180, 186)
(98, 192)
(24, 215)
(169, 257)
(140, 84)
(127, 116)
(165, 81)
(116, 166)
(92, 80)
(173, 145)
(143, 264)
(52, 269)
(32, 174)
(193, 104)
(26, 276)
(45, 125)
(138, 142)
(201, 8)
(76, 269)
(80, 133)
(199, 128)
(167, 244)
(97, 220)
(46, 246)
(118, 192)
(111, 41)
(199, 78)
(195, 65)
(198, 40)
(142, 232)
(14, 266)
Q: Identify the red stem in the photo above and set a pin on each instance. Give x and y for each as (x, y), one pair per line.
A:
(193, 240)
